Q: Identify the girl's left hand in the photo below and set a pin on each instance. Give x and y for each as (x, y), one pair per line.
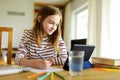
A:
(48, 63)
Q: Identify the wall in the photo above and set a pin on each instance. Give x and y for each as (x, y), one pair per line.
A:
(17, 14)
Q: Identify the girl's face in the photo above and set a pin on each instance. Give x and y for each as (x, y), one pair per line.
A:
(50, 24)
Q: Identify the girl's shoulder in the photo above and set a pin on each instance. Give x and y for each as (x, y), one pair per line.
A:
(30, 31)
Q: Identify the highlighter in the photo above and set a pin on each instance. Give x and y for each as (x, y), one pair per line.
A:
(36, 75)
(59, 75)
(51, 76)
(43, 77)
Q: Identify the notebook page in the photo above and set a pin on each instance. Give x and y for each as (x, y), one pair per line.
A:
(12, 69)
(50, 69)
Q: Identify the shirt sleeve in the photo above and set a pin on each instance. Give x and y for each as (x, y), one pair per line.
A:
(62, 55)
(22, 49)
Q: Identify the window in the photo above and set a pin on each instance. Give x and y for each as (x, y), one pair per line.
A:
(81, 18)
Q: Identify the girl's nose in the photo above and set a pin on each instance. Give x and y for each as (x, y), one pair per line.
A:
(53, 27)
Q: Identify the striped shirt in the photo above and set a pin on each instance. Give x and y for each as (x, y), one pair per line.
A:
(30, 50)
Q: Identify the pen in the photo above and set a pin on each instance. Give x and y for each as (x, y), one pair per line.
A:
(36, 75)
(44, 76)
(51, 76)
(40, 56)
(37, 54)
(59, 75)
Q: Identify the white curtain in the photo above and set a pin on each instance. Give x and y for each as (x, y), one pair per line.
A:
(114, 28)
(94, 25)
(67, 26)
(105, 29)
(110, 40)
(104, 22)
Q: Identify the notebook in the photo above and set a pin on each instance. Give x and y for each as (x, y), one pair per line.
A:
(88, 52)
(11, 69)
(50, 69)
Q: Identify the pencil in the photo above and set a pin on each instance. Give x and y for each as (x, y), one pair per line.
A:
(43, 77)
(36, 75)
(51, 76)
(59, 75)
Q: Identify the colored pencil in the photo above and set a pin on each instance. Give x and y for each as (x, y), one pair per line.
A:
(36, 75)
(59, 75)
(43, 76)
(52, 76)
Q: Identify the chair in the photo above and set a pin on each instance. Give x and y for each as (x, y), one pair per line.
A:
(9, 49)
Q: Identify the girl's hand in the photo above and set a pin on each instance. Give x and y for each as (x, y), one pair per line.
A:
(36, 63)
(40, 63)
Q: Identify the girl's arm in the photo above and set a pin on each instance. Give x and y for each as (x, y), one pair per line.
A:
(35, 63)
(22, 53)
(62, 56)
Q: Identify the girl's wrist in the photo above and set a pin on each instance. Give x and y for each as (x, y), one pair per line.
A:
(25, 62)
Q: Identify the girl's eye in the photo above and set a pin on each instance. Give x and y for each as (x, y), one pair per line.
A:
(51, 22)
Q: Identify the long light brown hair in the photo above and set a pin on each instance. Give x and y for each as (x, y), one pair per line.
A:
(38, 27)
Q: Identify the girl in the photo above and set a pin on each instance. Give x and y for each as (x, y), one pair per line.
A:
(42, 46)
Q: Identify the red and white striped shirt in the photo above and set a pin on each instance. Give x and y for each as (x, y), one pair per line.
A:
(29, 47)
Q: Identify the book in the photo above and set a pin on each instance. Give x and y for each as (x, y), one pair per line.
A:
(99, 65)
(107, 61)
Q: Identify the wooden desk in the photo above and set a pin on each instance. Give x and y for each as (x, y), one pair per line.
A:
(88, 74)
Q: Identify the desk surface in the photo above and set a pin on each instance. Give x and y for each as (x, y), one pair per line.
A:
(88, 74)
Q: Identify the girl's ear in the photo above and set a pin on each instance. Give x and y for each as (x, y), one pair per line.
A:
(39, 18)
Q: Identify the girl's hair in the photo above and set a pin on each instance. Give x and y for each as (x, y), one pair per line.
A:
(38, 27)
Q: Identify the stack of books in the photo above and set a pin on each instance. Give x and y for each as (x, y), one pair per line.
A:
(106, 62)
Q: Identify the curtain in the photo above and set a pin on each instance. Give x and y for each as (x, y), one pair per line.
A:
(94, 25)
(110, 40)
(114, 28)
(67, 26)
(103, 27)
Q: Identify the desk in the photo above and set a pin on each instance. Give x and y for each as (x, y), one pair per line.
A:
(88, 74)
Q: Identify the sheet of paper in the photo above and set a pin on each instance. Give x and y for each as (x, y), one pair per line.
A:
(50, 69)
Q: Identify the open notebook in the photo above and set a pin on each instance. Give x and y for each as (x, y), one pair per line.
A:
(50, 69)
(12, 69)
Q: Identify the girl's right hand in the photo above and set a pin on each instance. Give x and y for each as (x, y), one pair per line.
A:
(40, 63)
(36, 63)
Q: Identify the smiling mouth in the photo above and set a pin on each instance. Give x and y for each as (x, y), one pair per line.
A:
(50, 30)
